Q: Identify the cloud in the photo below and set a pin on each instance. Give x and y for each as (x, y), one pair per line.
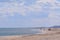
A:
(54, 17)
(12, 8)
(22, 9)
(39, 7)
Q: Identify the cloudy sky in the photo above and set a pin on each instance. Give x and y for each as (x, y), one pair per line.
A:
(29, 13)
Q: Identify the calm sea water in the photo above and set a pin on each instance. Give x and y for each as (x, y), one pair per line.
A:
(17, 31)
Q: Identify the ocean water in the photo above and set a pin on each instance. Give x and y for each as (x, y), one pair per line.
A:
(18, 31)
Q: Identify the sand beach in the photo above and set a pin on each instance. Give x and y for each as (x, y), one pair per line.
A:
(53, 34)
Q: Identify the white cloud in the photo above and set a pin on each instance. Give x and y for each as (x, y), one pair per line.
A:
(54, 18)
(11, 8)
(7, 8)
(22, 9)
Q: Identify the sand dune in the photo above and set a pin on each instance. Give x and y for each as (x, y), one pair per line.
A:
(50, 35)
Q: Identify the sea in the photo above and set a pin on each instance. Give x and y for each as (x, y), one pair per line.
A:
(18, 31)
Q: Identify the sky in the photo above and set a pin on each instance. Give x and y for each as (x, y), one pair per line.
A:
(29, 13)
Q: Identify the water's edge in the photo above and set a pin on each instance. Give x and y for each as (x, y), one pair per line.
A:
(18, 31)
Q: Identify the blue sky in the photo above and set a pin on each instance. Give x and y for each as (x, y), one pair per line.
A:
(29, 13)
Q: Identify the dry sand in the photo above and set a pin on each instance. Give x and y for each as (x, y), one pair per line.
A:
(50, 35)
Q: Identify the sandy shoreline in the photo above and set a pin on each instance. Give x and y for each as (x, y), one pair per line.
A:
(50, 35)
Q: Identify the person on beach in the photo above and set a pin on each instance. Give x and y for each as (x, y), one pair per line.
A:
(49, 29)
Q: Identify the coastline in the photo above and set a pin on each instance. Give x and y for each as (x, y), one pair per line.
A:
(50, 35)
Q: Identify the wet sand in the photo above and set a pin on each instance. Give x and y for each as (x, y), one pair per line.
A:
(50, 35)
